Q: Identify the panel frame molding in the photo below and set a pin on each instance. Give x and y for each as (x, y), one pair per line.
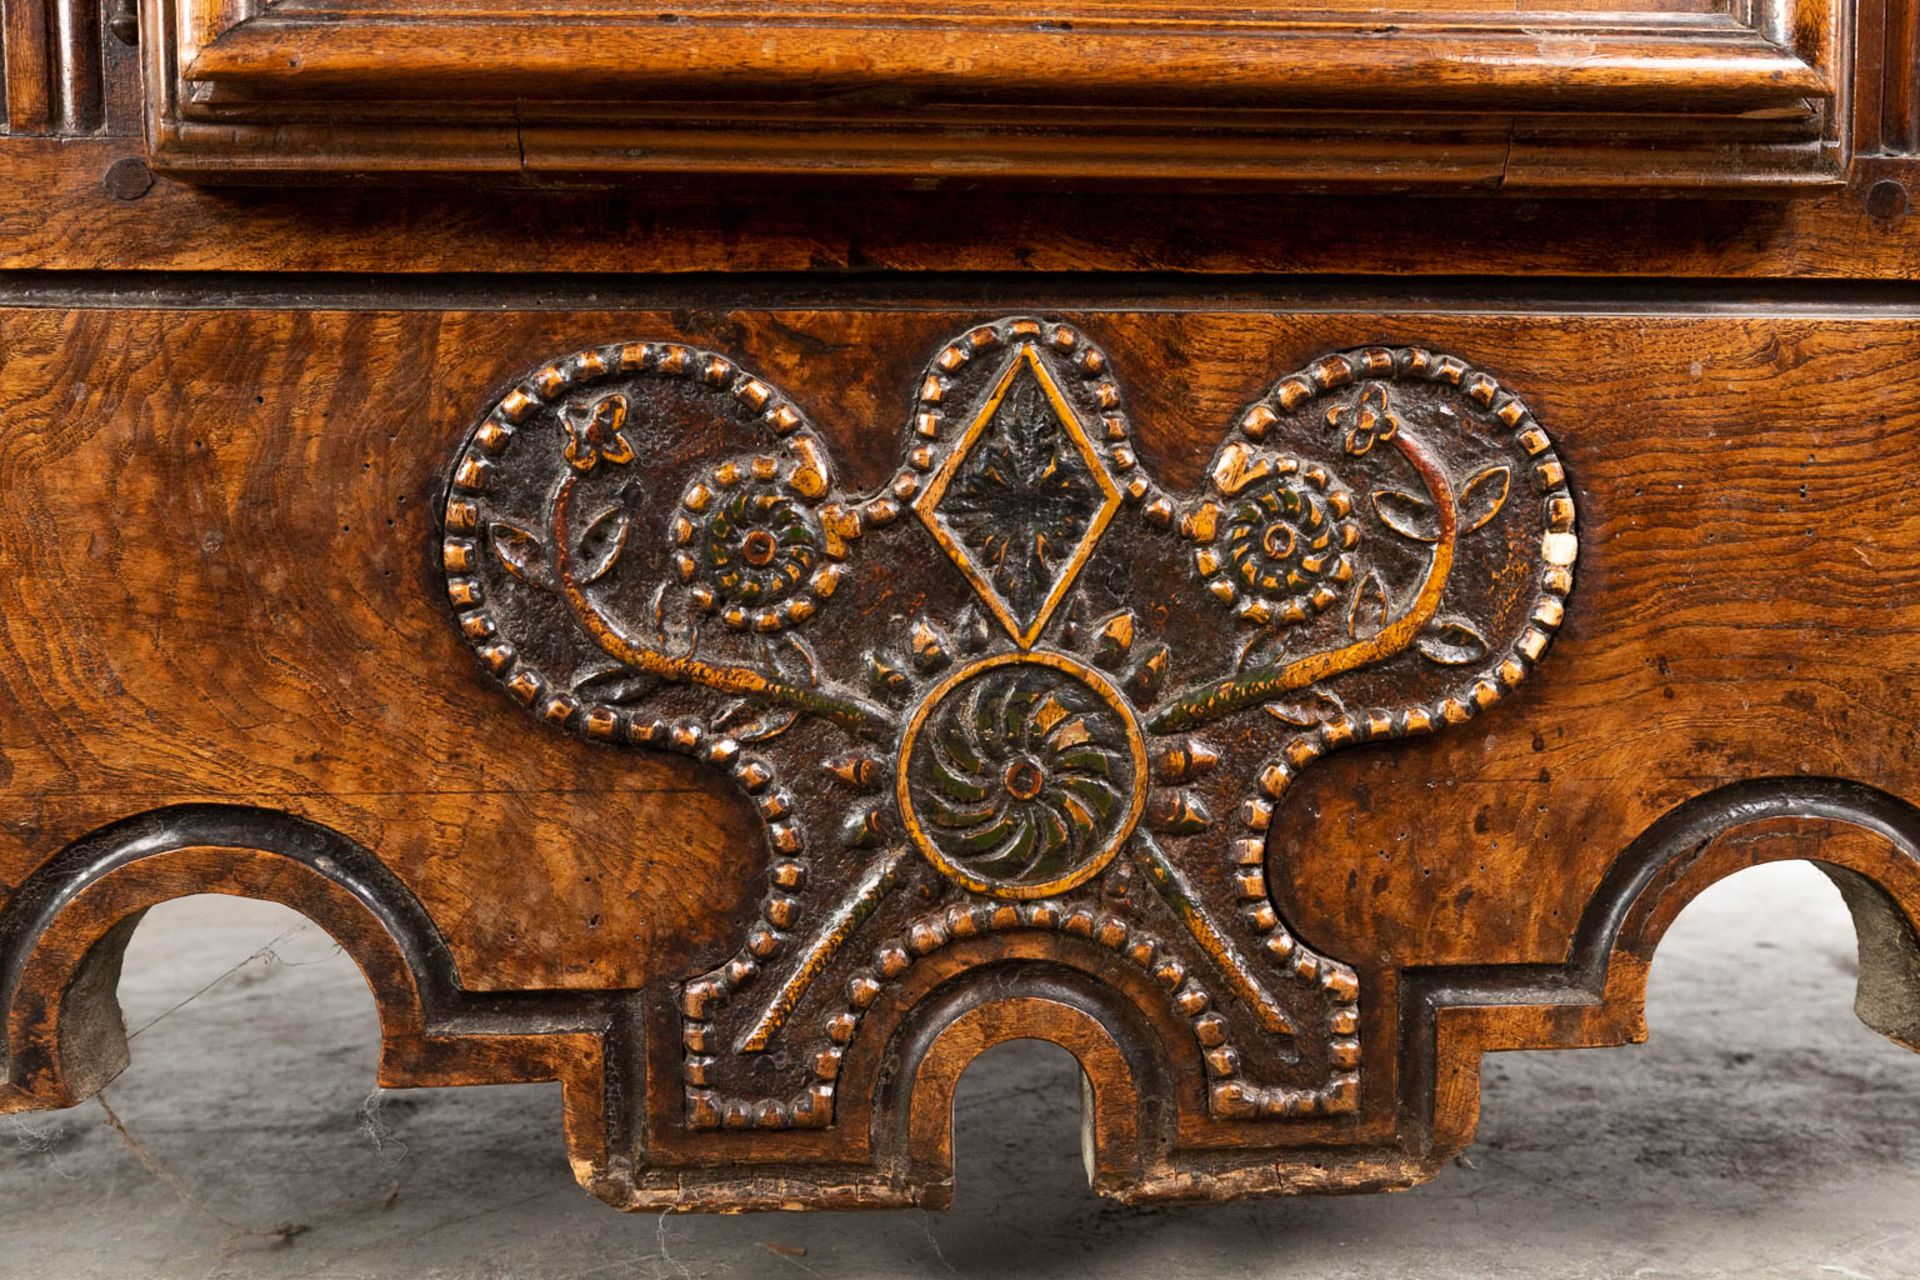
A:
(1753, 99)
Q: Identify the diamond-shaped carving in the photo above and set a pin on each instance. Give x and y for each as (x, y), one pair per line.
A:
(1022, 499)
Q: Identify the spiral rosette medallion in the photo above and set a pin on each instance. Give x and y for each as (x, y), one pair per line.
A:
(1280, 549)
(1022, 775)
(752, 548)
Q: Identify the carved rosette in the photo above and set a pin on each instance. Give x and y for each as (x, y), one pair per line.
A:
(992, 712)
(752, 548)
(1280, 549)
(1022, 775)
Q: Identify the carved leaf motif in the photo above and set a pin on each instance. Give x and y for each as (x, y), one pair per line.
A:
(1452, 642)
(885, 676)
(658, 607)
(615, 686)
(1113, 641)
(1254, 651)
(601, 545)
(1484, 496)
(1407, 515)
(793, 658)
(1291, 713)
(1368, 612)
(678, 638)
(746, 721)
(975, 633)
(1308, 710)
(522, 552)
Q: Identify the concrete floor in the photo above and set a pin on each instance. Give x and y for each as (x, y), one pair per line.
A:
(1763, 1133)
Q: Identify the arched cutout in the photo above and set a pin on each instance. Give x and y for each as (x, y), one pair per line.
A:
(1126, 1110)
(250, 1102)
(1757, 1110)
(64, 934)
(1867, 839)
(1110, 1105)
(1019, 1124)
(201, 957)
(1875, 864)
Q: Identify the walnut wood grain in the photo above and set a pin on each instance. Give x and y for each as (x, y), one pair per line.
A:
(736, 564)
(61, 216)
(227, 615)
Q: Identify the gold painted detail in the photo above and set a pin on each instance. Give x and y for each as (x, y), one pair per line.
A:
(1022, 499)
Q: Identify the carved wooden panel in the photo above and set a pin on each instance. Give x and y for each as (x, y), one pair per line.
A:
(739, 650)
(1080, 736)
(746, 720)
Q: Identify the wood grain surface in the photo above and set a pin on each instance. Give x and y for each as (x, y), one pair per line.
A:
(220, 589)
(738, 607)
(60, 215)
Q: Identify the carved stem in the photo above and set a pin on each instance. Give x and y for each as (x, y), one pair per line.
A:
(849, 713)
(1251, 688)
(1185, 902)
(881, 879)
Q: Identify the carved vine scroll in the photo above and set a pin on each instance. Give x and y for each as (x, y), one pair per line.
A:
(1019, 689)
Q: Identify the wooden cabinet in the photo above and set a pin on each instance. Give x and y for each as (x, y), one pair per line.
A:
(735, 557)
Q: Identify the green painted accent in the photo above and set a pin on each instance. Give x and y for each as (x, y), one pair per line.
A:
(1061, 813)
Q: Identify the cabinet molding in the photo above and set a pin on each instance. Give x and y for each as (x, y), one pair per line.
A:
(1743, 98)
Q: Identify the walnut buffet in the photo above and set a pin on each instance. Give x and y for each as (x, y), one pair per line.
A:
(737, 556)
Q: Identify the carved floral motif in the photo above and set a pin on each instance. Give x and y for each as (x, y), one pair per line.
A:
(1280, 550)
(752, 549)
(1029, 720)
(593, 433)
(1022, 499)
(1022, 776)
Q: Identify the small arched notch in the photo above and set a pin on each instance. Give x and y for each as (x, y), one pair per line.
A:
(1128, 1103)
(1109, 1101)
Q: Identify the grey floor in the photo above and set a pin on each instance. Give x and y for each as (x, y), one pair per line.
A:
(1762, 1133)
